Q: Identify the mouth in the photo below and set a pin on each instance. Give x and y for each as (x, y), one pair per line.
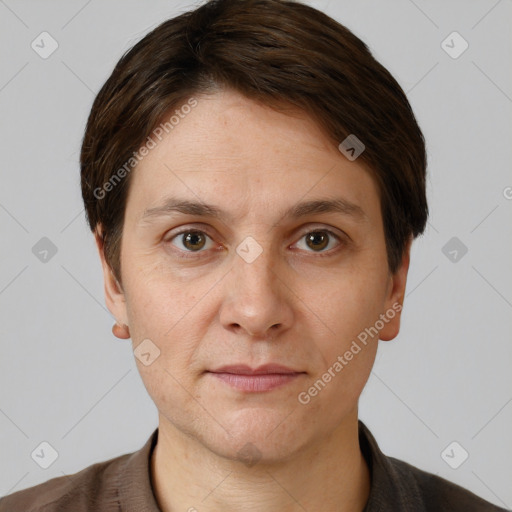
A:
(263, 378)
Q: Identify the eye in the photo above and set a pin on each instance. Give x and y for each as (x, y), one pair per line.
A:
(191, 240)
(319, 240)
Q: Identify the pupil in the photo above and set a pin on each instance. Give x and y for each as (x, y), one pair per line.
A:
(191, 239)
(318, 239)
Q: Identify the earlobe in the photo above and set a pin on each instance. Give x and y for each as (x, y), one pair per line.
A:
(395, 300)
(121, 331)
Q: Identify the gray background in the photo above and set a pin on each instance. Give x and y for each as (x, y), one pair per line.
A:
(66, 380)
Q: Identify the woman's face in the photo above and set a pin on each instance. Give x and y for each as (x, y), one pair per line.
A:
(258, 277)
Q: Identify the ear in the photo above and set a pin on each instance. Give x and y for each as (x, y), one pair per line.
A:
(395, 297)
(114, 295)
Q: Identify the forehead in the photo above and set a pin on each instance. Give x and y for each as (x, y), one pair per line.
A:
(249, 157)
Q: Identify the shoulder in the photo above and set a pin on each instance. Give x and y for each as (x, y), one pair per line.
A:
(397, 486)
(439, 494)
(87, 489)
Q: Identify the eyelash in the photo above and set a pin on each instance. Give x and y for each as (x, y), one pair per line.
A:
(197, 254)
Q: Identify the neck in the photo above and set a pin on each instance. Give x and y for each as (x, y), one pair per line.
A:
(329, 474)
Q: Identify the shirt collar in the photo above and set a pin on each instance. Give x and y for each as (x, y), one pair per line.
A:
(134, 480)
(389, 491)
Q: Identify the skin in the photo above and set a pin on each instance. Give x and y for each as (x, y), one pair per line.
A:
(295, 304)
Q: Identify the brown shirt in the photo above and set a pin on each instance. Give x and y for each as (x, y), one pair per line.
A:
(123, 484)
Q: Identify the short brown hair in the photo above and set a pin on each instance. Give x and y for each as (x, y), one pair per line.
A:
(278, 52)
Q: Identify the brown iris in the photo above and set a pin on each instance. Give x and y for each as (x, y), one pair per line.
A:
(194, 240)
(317, 240)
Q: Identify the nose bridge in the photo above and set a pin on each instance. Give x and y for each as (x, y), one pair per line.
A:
(255, 300)
(254, 268)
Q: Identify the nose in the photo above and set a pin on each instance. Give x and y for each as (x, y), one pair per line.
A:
(257, 299)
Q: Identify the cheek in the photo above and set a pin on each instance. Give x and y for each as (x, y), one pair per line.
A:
(164, 322)
(333, 392)
(157, 297)
(174, 314)
(349, 306)
(350, 302)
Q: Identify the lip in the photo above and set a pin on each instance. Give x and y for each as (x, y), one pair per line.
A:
(264, 378)
(243, 369)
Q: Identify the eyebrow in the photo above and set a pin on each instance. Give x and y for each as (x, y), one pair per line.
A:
(303, 209)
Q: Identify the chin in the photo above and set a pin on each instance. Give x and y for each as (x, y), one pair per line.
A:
(251, 450)
(260, 432)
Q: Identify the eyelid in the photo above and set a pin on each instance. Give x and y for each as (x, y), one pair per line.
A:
(202, 228)
(169, 239)
(323, 227)
(194, 256)
(341, 237)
